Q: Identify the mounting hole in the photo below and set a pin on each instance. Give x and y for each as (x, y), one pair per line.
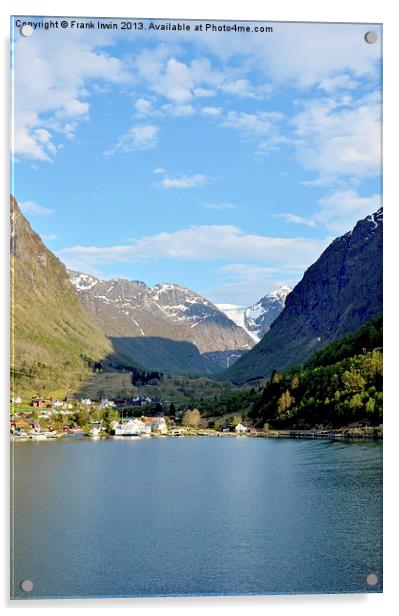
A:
(26, 585)
(372, 579)
(371, 37)
(26, 30)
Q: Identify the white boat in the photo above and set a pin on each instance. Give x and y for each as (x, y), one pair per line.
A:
(37, 436)
(20, 435)
(95, 430)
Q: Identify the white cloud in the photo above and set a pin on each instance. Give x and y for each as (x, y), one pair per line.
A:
(144, 107)
(211, 111)
(178, 110)
(339, 136)
(50, 237)
(52, 92)
(177, 81)
(298, 220)
(138, 137)
(338, 82)
(262, 128)
(303, 54)
(184, 181)
(204, 243)
(220, 206)
(247, 270)
(239, 87)
(246, 283)
(203, 92)
(29, 207)
(338, 211)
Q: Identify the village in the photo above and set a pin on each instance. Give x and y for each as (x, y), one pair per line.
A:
(137, 417)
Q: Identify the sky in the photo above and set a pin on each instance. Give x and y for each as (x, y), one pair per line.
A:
(222, 161)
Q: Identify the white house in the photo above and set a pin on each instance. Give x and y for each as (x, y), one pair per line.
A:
(16, 400)
(240, 429)
(131, 427)
(107, 404)
(158, 424)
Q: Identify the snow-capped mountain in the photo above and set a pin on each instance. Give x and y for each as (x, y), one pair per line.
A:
(256, 319)
(261, 315)
(128, 310)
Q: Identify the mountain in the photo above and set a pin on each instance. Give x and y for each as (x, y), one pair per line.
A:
(167, 327)
(50, 331)
(337, 294)
(256, 319)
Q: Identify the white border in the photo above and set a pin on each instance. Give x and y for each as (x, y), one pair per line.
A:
(367, 11)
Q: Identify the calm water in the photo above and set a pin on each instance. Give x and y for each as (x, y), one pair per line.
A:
(195, 516)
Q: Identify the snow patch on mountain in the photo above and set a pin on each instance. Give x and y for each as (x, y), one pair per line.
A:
(82, 282)
(256, 319)
(128, 309)
(237, 315)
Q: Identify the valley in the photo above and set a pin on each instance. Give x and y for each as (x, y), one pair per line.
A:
(121, 339)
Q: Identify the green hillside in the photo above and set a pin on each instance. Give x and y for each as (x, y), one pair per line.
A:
(367, 338)
(50, 331)
(340, 385)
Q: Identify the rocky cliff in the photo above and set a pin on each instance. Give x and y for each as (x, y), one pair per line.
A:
(336, 295)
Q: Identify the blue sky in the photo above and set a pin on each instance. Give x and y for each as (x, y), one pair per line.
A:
(224, 162)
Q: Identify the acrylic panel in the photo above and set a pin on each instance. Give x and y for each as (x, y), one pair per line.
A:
(196, 268)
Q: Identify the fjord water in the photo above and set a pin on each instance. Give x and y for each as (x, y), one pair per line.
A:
(196, 516)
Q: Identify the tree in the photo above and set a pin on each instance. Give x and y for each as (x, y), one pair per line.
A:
(356, 402)
(295, 382)
(235, 421)
(218, 425)
(172, 410)
(191, 418)
(285, 402)
(353, 380)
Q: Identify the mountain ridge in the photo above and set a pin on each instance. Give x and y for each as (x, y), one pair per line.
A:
(336, 295)
(128, 310)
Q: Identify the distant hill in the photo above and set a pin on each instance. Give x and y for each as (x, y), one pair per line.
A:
(51, 332)
(168, 327)
(337, 294)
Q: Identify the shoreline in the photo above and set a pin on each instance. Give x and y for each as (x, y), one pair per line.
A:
(341, 434)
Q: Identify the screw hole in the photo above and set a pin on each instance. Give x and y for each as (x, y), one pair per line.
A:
(370, 37)
(26, 585)
(372, 579)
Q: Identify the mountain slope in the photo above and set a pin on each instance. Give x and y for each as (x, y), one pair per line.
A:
(336, 295)
(256, 319)
(167, 327)
(50, 329)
